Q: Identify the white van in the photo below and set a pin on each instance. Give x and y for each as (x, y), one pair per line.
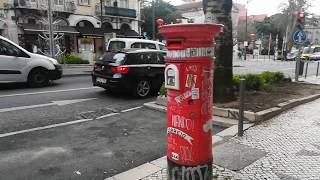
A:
(128, 43)
(19, 65)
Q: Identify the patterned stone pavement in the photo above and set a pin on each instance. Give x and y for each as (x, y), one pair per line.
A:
(292, 143)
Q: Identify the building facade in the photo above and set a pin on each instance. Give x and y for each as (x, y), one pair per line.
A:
(313, 34)
(79, 26)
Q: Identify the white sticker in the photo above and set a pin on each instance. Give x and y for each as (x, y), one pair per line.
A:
(191, 80)
(183, 96)
(180, 133)
(195, 94)
(207, 126)
(175, 156)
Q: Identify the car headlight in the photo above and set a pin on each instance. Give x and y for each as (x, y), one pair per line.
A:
(54, 61)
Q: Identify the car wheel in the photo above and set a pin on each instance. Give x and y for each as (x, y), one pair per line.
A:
(38, 78)
(142, 88)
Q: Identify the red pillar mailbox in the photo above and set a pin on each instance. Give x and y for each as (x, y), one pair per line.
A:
(189, 79)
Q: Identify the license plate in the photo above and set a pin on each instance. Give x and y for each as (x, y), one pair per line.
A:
(101, 80)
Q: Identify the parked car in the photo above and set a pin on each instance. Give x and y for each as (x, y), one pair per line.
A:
(137, 71)
(315, 56)
(308, 51)
(19, 65)
(291, 56)
(128, 43)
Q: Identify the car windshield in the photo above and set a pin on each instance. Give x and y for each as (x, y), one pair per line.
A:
(116, 45)
(307, 50)
(112, 57)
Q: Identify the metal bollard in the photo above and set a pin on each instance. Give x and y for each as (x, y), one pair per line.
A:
(241, 106)
(318, 69)
(305, 76)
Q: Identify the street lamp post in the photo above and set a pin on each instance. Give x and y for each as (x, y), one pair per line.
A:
(246, 35)
(153, 21)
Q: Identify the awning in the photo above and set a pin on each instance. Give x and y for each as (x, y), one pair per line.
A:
(36, 28)
(89, 31)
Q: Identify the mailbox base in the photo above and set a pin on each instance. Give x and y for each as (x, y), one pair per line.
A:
(186, 172)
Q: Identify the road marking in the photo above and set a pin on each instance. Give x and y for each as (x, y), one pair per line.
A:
(45, 92)
(131, 109)
(44, 127)
(53, 103)
(107, 115)
(64, 124)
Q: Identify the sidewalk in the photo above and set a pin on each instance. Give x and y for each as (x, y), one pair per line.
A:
(284, 147)
(76, 69)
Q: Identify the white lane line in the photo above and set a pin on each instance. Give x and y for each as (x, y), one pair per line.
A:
(107, 115)
(132, 109)
(65, 124)
(45, 92)
(44, 127)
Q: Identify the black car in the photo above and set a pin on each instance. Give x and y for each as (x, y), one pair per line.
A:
(137, 71)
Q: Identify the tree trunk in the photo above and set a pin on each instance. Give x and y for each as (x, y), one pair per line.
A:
(219, 11)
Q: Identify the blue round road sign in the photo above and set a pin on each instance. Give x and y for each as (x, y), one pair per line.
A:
(299, 37)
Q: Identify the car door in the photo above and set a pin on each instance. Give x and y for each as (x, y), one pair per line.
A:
(13, 62)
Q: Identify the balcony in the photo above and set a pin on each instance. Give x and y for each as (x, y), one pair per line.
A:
(64, 6)
(116, 11)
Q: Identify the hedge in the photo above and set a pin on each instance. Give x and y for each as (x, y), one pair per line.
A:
(71, 59)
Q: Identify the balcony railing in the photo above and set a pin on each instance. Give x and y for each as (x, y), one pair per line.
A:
(65, 6)
(116, 11)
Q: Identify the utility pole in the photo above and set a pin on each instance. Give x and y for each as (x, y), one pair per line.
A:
(101, 13)
(246, 35)
(51, 40)
(153, 21)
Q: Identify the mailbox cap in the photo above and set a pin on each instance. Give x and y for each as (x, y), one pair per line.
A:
(191, 30)
(182, 36)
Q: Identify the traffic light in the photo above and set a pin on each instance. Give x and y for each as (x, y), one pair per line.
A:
(300, 21)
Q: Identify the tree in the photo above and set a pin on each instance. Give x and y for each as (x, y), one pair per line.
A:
(218, 11)
(163, 10)
(290, 11)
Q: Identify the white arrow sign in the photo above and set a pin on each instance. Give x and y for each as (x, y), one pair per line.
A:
(300, 35)
(53, 103)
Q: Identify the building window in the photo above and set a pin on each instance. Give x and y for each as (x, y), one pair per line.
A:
(31, 21)
(124, 4)
(84, 2)
(58, 2)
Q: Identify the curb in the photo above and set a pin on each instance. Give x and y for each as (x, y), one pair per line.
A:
(217, 120)
(253, 117)
(73, 75)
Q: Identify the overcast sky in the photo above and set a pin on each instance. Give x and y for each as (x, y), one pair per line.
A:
(263, 6)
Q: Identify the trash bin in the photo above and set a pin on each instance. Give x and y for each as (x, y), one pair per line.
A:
(301, 67)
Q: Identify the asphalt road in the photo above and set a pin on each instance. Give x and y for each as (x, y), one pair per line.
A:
(260, 65)
(71, 130)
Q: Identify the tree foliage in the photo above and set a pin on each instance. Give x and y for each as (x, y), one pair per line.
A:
(163, 10)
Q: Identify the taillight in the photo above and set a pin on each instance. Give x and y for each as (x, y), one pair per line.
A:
(120, 69)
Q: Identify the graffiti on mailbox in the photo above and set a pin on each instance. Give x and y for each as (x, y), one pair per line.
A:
(180, 133)
(207, 126)
(200, 172)
(186, 153)
(182, 122)
(207, 91)
(192, 68)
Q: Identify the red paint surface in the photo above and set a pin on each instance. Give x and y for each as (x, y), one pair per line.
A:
(189, 139)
